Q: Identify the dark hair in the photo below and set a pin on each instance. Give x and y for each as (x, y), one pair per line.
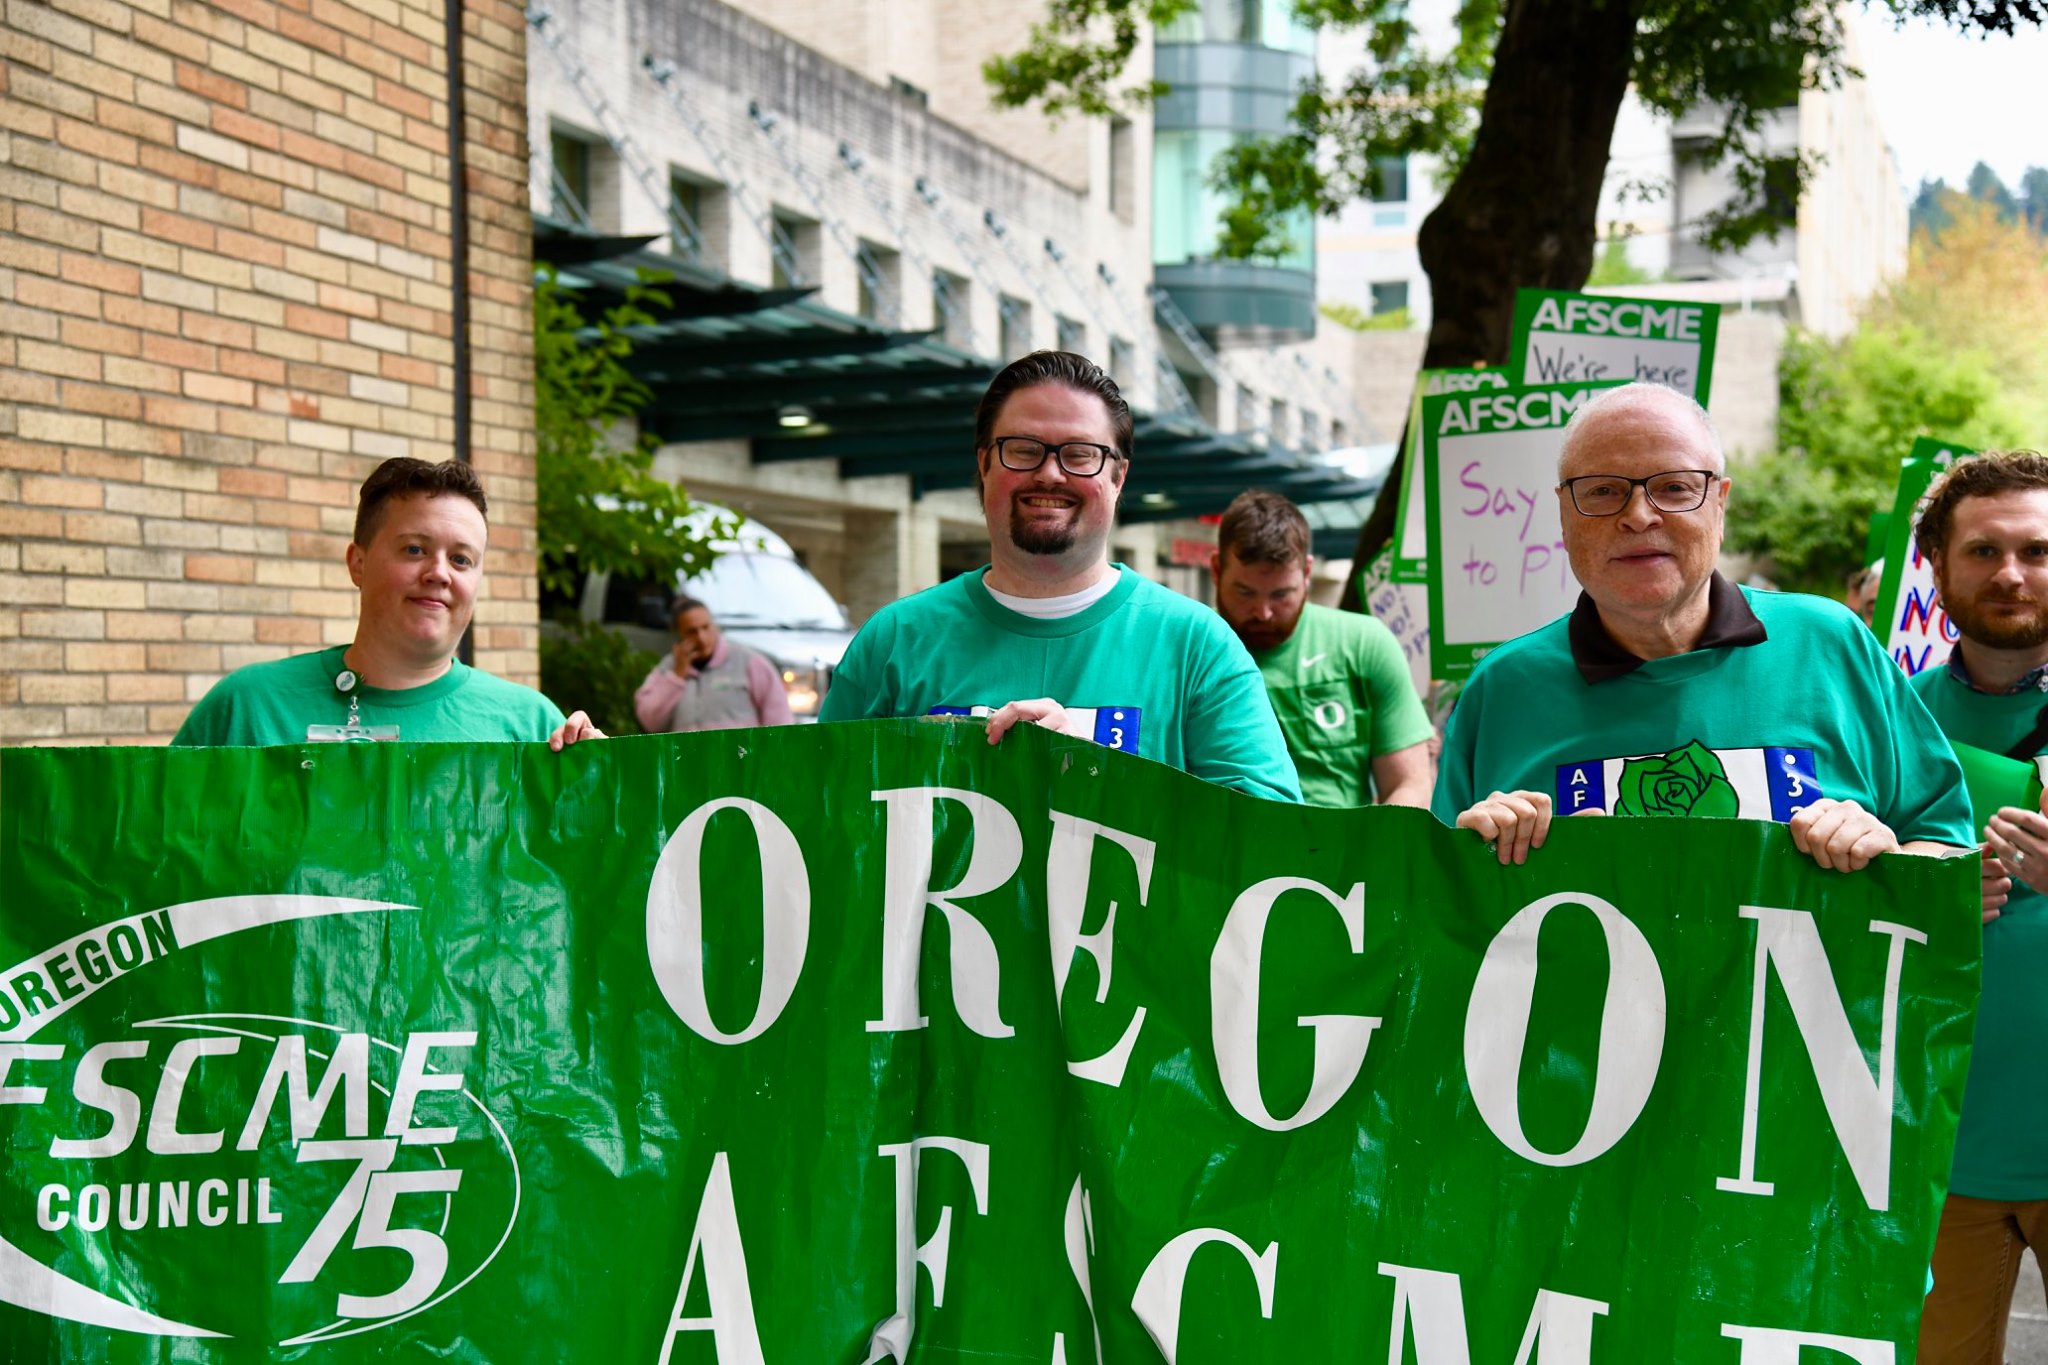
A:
(1977, 476)
(1070, 371)
(684, 602)
(1260, 527)
(404, 477)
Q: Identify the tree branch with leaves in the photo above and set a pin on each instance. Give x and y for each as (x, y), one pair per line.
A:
(601, 506)
(1520, 112)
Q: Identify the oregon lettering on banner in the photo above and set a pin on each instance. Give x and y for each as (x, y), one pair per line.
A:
(876, 1042)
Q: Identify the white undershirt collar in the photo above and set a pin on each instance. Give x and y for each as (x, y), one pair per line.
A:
(1057, 608)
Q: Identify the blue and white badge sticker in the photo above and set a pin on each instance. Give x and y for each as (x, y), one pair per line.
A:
(1769, 783)
(1113, 727)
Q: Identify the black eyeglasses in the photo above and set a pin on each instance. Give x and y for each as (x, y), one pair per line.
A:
(1675, 490)
(1026, 453)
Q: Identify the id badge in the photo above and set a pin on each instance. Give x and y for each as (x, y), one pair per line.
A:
(351, 734)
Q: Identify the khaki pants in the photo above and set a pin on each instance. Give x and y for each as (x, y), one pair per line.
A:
(1976, 1264)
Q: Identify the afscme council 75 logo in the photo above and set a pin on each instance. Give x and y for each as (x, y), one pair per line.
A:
(155, 1161)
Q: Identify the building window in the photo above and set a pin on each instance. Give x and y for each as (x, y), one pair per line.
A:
(1071, 335)
(1016, 338)
(917, 95)
(1312, 431)
(1123, 169)
(879, 269)
(1276, 423)
(793, 251)
(686, 218)
(1248, 409)
(1123, 361)
(569, 161)
(952, 310)
(1389, 296)
(1187, 209)
(1390, 179)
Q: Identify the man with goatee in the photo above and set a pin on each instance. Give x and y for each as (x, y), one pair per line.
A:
(1053, 633)
(1984, 530)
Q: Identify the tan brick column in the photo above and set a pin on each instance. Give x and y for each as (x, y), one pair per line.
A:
(224, 296)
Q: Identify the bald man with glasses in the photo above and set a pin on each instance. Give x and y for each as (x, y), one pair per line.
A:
(1668, 690)
(1053, 633)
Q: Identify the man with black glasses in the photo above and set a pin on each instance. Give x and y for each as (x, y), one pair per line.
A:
(1670, 691)
(1052, 632)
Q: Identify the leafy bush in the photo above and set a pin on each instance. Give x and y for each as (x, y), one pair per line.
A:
(589, 668)
(1848, 413)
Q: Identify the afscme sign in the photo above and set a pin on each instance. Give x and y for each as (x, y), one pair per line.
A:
(673, 1049)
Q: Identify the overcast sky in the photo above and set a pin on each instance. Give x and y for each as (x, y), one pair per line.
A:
(1948, 101)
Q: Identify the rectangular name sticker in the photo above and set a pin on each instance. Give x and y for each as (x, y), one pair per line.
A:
(1113, 727)
(1748, 784)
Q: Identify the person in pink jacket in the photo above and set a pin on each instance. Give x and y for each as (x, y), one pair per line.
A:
(710, 682)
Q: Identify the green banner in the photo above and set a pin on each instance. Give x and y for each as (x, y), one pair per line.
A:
(848, 1042)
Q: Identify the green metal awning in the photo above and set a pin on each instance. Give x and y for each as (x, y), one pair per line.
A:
(797, 380)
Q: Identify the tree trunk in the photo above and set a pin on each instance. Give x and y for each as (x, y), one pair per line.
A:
(1524, 211)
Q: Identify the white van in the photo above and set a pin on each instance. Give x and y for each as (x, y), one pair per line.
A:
(760, 595)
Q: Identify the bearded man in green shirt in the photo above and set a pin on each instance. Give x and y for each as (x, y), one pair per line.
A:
(1091, 648)
(1338, 682)
(1984, 531)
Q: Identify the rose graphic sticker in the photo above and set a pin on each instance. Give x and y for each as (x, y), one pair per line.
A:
(1687, 781)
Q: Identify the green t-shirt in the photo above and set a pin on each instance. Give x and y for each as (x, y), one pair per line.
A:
(273, 703)
(1757, 731)
(2002, 1143)
(1144, 670)
(1341, 691)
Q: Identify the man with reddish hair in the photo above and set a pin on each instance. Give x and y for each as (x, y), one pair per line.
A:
(1984, 530)
(1337, 681)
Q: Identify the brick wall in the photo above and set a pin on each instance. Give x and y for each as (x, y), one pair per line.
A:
(224, 296)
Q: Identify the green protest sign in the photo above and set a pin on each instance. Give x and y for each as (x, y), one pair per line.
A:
(1497, 561)
(1562, 338)
(1907, 618)
(851, 1042)
(1411, 560)
(1996, 781)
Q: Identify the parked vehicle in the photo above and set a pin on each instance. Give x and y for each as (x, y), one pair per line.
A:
(760, 594)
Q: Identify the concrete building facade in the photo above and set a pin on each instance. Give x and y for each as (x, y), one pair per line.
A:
(855, 147)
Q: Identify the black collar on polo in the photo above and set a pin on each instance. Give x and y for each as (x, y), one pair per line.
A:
(1730, 622)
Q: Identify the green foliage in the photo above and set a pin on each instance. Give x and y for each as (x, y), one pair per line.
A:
(1981, 288)
(2033, 200)
(1402, 102)
(1929, 213)
(601, 507)
(1985, 187)
(1612, 269)
(1076, 58)
(1932, 212)
(1848, 413)
(1358, 320)
(591, 668)
(1745, 59)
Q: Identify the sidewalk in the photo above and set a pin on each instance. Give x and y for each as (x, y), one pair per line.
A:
(2026, 1341)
